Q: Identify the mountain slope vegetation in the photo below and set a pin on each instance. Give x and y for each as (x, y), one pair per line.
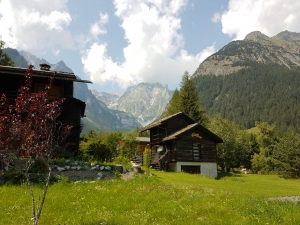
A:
(256, 79)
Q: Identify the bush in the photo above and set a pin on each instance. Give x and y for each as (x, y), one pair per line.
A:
(12, 177)
(41, 177)
(125, 162)
(66, 154)
(147, 160)
(39, 166)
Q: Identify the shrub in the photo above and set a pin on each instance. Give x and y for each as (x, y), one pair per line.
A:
(12, 177)
(125, 162)
(38, 166)
(147, 160)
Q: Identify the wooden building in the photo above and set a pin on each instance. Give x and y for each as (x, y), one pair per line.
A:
(178, 143)
(12, 78)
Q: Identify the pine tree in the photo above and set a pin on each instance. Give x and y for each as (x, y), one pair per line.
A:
(190, 100)
(186, 100)
(174, 104)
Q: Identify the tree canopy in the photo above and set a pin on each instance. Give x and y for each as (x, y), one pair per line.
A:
(186, 100)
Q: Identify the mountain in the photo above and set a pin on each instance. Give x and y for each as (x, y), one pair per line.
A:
(33, 60)
(98, 116)
(255, 79)
(144, 101)
(110, 99)
(282, 49)
(18, 59)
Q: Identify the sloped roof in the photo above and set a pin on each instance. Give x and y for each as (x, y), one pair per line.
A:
(160, 122)
(216, 138)
(41, 73)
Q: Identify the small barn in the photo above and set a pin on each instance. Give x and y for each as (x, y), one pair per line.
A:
(12, 78)
(178, 143)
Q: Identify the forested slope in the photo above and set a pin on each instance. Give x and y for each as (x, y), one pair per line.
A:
(261, 92)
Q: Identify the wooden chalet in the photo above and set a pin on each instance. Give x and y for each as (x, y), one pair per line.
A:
(12, 78)
(178, 143)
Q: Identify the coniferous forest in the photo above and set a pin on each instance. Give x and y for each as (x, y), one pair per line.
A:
(266, 93)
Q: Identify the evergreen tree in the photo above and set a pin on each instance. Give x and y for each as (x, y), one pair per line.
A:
(174, 104)
(4, 59)
(186, 100)
(287, 155)
(190, 100)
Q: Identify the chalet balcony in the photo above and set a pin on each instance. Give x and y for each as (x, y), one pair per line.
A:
(157, 138)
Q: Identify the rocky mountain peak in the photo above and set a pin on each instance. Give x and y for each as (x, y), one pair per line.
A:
(288, 36)
(256, 35)
(144, 101)
(282, 49)
(33, 60)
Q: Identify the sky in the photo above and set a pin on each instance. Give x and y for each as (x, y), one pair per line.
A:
(120, 43)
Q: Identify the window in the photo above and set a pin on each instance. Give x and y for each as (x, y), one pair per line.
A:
(54, 92)
(160, 148)
(197, 151)
(191, 169)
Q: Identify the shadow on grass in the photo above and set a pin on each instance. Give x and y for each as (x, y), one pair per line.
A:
(228, 174)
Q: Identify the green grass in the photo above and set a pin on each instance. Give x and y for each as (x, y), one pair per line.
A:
(165, 198)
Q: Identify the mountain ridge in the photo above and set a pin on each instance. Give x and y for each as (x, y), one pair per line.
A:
(282, 49)
(145, 101)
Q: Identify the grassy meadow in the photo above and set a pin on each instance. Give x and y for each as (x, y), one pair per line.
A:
(164, 198)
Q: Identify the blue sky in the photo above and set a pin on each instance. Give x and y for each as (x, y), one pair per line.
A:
(119, 43)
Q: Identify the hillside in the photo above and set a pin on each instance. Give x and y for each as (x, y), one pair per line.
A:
(256, 79)
(18, 59)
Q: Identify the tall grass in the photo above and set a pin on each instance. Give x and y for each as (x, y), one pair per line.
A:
(165, 198)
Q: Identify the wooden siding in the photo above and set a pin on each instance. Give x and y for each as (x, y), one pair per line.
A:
(72, 112)
(157, 134)
(185, 147)
(9, 85)
(176, 123)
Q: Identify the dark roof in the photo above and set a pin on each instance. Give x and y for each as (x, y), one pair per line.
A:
(41, 73)
(216, 138)
(161, 121)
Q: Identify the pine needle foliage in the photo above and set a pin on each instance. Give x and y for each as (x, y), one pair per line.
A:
(186, 100)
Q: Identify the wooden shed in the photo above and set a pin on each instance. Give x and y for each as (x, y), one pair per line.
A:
(178, 143)
(12, 78)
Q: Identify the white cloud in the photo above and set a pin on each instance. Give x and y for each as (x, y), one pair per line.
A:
(98, 27)
(155, 50)
(268, 16)
(35, 24)
(216, 17)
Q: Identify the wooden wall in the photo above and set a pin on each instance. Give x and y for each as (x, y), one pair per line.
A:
(169, 127)
(10, 84)
(71, 115)
(184, 144)
(177, 123)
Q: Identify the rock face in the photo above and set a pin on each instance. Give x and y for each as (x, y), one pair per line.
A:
(109, 99)
(282, 49)
(18, 59)
(98, 116)
(144, 101)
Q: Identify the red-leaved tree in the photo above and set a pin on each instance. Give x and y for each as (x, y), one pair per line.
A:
(31, 128)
